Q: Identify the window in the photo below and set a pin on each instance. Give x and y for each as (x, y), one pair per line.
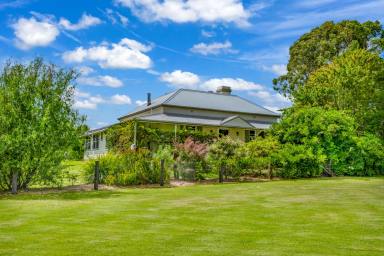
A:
(193, 128)
(261, 134)
(96, 140)
(250, 135)
(223, 132)
(88, 143)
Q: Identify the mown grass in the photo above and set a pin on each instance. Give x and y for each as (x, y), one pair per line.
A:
(337, 216)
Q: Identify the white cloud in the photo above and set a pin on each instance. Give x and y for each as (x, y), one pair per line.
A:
(126, 54)
(84, 100)
(31, 33)
(182, 11)
(140, 102)
(180, 78)
(85, 21)
(278, 69)
(207, 34)
(115, 17)
(108, 81)
(235, 83)
(85, 70)
(271, 100)
(213, 48)
(119, 99)
(84, 104)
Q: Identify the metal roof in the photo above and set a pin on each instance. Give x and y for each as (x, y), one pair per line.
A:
(194, 120)
(206, 100)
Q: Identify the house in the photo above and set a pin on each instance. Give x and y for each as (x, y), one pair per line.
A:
(220, 113)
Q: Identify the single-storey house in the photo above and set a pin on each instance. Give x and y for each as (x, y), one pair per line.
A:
(220, 113)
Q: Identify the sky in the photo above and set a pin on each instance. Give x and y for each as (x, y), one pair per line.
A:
(127, 48)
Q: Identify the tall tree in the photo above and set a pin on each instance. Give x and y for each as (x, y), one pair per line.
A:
(322, 45)
(37, 121)
(354, 83)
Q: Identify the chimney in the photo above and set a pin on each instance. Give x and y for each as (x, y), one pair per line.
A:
(149, 99)
(224, 90)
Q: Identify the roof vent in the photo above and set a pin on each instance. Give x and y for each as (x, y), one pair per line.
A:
(224, 90)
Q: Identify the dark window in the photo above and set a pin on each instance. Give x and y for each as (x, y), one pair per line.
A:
(250, 135)
(96, 140)
(223, 132)
(261, 134)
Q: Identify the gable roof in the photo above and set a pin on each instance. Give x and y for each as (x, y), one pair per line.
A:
(205, 100)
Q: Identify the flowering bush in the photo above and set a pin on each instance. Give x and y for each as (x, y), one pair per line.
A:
(191, 156)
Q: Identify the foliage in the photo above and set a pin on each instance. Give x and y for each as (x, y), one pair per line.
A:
(258, 155)
(120, 137)
(76, 151)
(37, 122)
(322, 45)
(366, 156)
(223, 153)
(191, 155)
(353, 82)
(298, 161)
(317, 139)
(128, 168)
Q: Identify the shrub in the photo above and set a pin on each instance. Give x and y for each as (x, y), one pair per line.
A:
(298, 161)
(191, 156)
(223, 153)
(128, 168)
(258, 155)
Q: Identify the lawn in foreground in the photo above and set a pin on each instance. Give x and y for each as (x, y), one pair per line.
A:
(338, 216)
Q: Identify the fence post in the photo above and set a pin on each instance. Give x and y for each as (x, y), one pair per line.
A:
(14, 182)
(221, 171)
(162, 172)
(96, 178)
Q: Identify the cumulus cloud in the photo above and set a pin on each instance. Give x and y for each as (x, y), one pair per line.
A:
(31, 33)
(108, 81)
(120, 99)
(271, 100)
(85, 70)
(140, 102)
(84, 100)
(213, 48)
(180, 78)
(127, 54)
(278, 69)
(235, 83)
(85, 21)
(182, 11)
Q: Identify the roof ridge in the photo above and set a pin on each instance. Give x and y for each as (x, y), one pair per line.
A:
(173, 94)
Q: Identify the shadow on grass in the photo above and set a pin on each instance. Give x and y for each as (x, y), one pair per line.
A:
(61, 195)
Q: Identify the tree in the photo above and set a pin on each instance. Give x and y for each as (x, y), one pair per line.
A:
(322, 45)
(322, 137)
(37, 121)
(354, 83)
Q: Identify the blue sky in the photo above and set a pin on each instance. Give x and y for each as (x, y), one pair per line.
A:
(126, 48)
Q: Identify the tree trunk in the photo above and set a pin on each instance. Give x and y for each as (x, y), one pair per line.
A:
(221, 171)
(14, 182)
(162, 172)
(96, 178)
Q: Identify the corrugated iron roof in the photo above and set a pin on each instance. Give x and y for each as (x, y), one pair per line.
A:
(206, 100)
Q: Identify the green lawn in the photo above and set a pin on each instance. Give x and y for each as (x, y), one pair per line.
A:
(338, 216)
